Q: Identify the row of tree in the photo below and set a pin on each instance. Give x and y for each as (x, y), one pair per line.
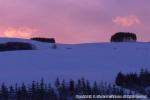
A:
(10, 46)
(135, 81)
(61, 90)
(46, 40)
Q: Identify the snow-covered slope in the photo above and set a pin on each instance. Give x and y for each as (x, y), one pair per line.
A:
(95, 61)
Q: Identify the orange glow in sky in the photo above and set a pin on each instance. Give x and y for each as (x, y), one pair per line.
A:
(19, 33)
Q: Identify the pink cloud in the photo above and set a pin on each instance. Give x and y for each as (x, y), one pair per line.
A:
(127, 21)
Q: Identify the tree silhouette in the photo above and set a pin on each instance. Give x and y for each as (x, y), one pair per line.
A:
(123, 37)
(61, 91)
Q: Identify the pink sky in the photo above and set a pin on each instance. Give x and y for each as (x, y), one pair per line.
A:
(74, 21)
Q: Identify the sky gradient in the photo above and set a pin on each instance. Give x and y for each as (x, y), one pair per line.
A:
(74, 21)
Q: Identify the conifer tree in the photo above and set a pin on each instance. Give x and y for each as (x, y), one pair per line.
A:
(71, 87)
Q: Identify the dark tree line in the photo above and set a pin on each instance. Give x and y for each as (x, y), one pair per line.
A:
(135, 81)
(61, 90)
(48, 40)
(123, 37)
(10, 46)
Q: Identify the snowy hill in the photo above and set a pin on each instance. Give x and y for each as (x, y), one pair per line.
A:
(94, 61)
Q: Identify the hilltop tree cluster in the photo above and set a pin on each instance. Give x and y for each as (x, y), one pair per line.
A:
(123, 37)
(47, 40)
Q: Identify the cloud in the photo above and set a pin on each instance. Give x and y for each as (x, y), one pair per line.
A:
(127, 21)
(22, 32)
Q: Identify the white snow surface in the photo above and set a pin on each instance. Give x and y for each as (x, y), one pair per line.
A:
(93, 61)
